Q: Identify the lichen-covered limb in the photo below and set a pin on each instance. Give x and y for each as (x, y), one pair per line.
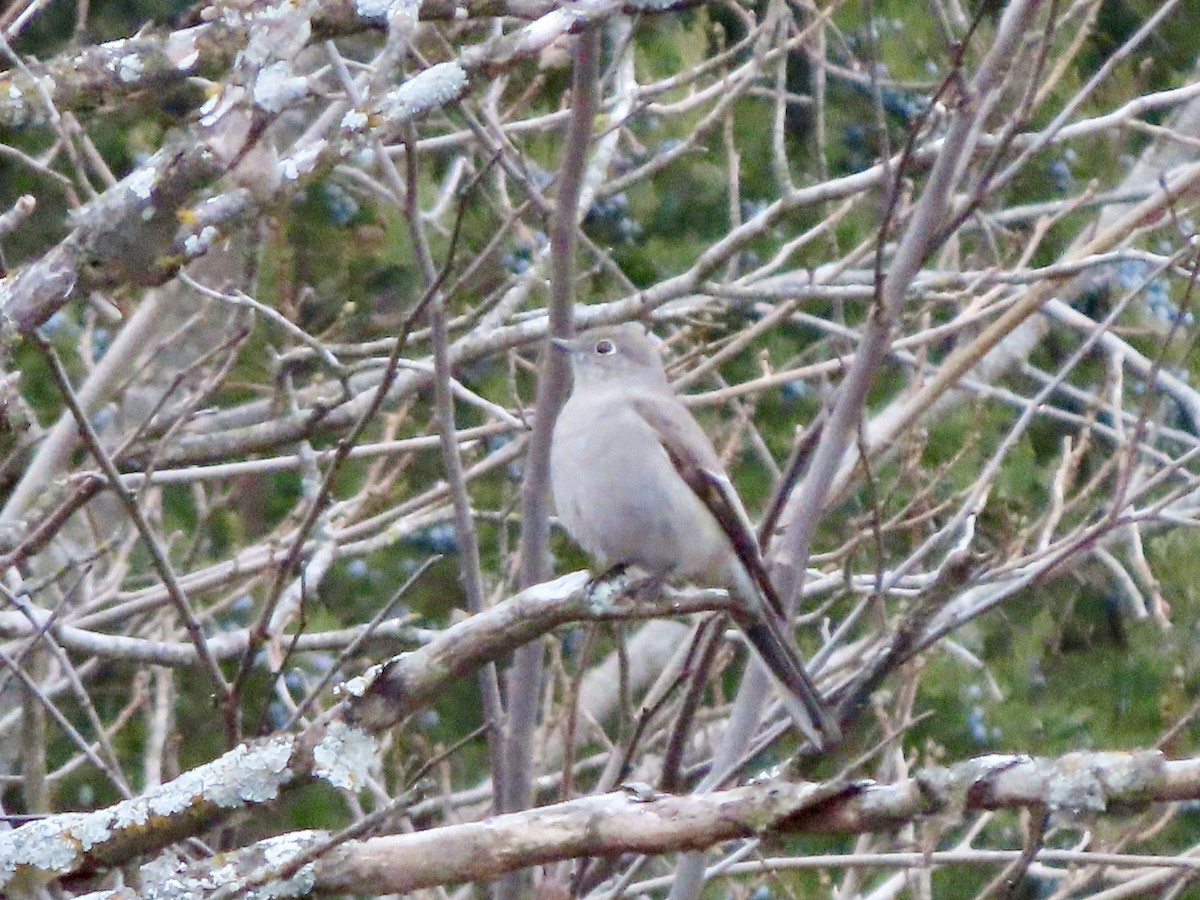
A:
(604, 825)
(142, 230)
(149, 66)
(63, 844)
(496, 626)
(1075, 786)
(386, 637)
(338, 752)
(249, 775)
(409, 682)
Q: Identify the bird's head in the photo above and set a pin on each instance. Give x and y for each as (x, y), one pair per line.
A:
(614, 353)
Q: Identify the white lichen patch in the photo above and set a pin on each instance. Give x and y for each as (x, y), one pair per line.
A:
(89, 831)
(303, 161)
(404, 13)
(196, 244)
(278, 32)
(990, 763)
(215, 107)
(354, 120)
(17, 110)
(437, 85)
(222, 875)
(130, 68)
(1126, 772)
(140, 182)
(657, 5)
(210, 104)
(359, 684)
(550, 27)
(373, 9)
(602, 598)
(1074, 794)
(170, 878)
(1080, 783)
(344, 756)
(256, 773)
(43, 845)
(181, 50)
(278, 852)
(770, 773)
(187, 63)
(559, 588)
(247, 774)
(276, 87)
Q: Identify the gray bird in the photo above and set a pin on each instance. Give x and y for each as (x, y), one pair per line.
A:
(636, 481)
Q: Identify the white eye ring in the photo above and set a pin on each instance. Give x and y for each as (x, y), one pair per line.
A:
(606, 347)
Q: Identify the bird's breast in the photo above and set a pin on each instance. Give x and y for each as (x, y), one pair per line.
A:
(619, 496)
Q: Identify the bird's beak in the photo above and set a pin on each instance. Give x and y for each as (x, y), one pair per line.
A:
(562, 344)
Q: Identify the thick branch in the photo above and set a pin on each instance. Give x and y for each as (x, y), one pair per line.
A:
(409, 682)
(1078, 784)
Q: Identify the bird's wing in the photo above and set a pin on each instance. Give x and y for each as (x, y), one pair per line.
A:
(694, 458)
(696, 461)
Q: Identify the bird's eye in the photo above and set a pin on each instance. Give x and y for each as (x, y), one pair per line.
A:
(605, 347)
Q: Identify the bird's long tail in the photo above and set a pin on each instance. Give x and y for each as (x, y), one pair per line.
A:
(800, 696)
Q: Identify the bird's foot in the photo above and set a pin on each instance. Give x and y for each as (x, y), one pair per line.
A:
(623, 582)
(610, 586)
(611, 574)
(649, 586)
